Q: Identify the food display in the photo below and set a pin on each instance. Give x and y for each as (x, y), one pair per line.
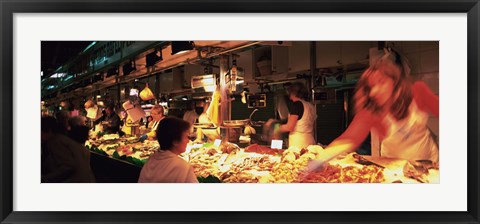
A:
(339, 174)
(293, 161)
(128, 149)
(228, 163)
(262, 149)
(260, 164)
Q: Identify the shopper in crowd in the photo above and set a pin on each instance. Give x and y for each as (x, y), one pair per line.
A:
(388, 104)
(301, 118)
(78, 129)
(63, 159)
(157, 114)
(165, 166)
(149, 122)
(190, 115)
(111, 120)
(62, 117)
(77, 121)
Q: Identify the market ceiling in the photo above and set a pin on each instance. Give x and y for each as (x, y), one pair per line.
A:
(56, 53)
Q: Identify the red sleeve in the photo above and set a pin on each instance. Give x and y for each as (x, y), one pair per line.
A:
(425, 98)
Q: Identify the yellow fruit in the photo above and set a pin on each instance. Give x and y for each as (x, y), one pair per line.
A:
(290, 157)
(308, 155)
(249, 130)
(315, 149)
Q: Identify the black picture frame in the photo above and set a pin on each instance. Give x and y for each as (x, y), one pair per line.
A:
(9, 7)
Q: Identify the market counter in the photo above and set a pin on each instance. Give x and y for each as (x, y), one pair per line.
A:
(111, 170)
(120, 160)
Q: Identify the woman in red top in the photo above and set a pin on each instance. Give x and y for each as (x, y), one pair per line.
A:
(394, 108)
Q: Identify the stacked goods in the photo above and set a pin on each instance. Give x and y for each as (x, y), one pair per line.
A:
(249, 168)
(293, 161)
(204, 161)
(347, 174)
(231, 164)
(128, 149)
(262, 149)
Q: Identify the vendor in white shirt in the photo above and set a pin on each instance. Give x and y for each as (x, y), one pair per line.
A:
(157, 114)
(190, 115)
(301, 118)
(165, 166)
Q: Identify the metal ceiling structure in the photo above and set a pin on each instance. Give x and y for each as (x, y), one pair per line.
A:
(101, 64)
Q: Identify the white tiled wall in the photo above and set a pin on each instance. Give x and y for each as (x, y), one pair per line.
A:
(432, 81)
(414, 61)
(429, 60)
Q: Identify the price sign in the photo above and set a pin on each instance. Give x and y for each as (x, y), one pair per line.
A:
(276, 144)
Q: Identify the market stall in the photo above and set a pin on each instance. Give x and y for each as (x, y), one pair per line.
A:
(239, 81)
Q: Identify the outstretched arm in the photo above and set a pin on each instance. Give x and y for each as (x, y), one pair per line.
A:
(355, 134)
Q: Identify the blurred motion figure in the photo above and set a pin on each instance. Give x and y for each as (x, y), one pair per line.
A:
(393, 107)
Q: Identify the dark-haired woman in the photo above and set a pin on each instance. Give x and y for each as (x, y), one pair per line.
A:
(301, 118)
(165, 166)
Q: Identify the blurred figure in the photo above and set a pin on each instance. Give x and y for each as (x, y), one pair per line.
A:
(190, 115)
(165, 166)
(301, 118)
(79, 134)
(63, 159)
(77, 121)
(157, 114)
(62, 117)
(78, 129)
(389, 105)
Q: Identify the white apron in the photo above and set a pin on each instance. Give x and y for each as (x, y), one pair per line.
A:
(153, 131)
(410, 138)
(155, 125)
(302, 135)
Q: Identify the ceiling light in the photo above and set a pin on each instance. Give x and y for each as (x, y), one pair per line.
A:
(182, 46)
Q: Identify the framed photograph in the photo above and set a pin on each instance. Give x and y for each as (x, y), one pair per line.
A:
(447, 31)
